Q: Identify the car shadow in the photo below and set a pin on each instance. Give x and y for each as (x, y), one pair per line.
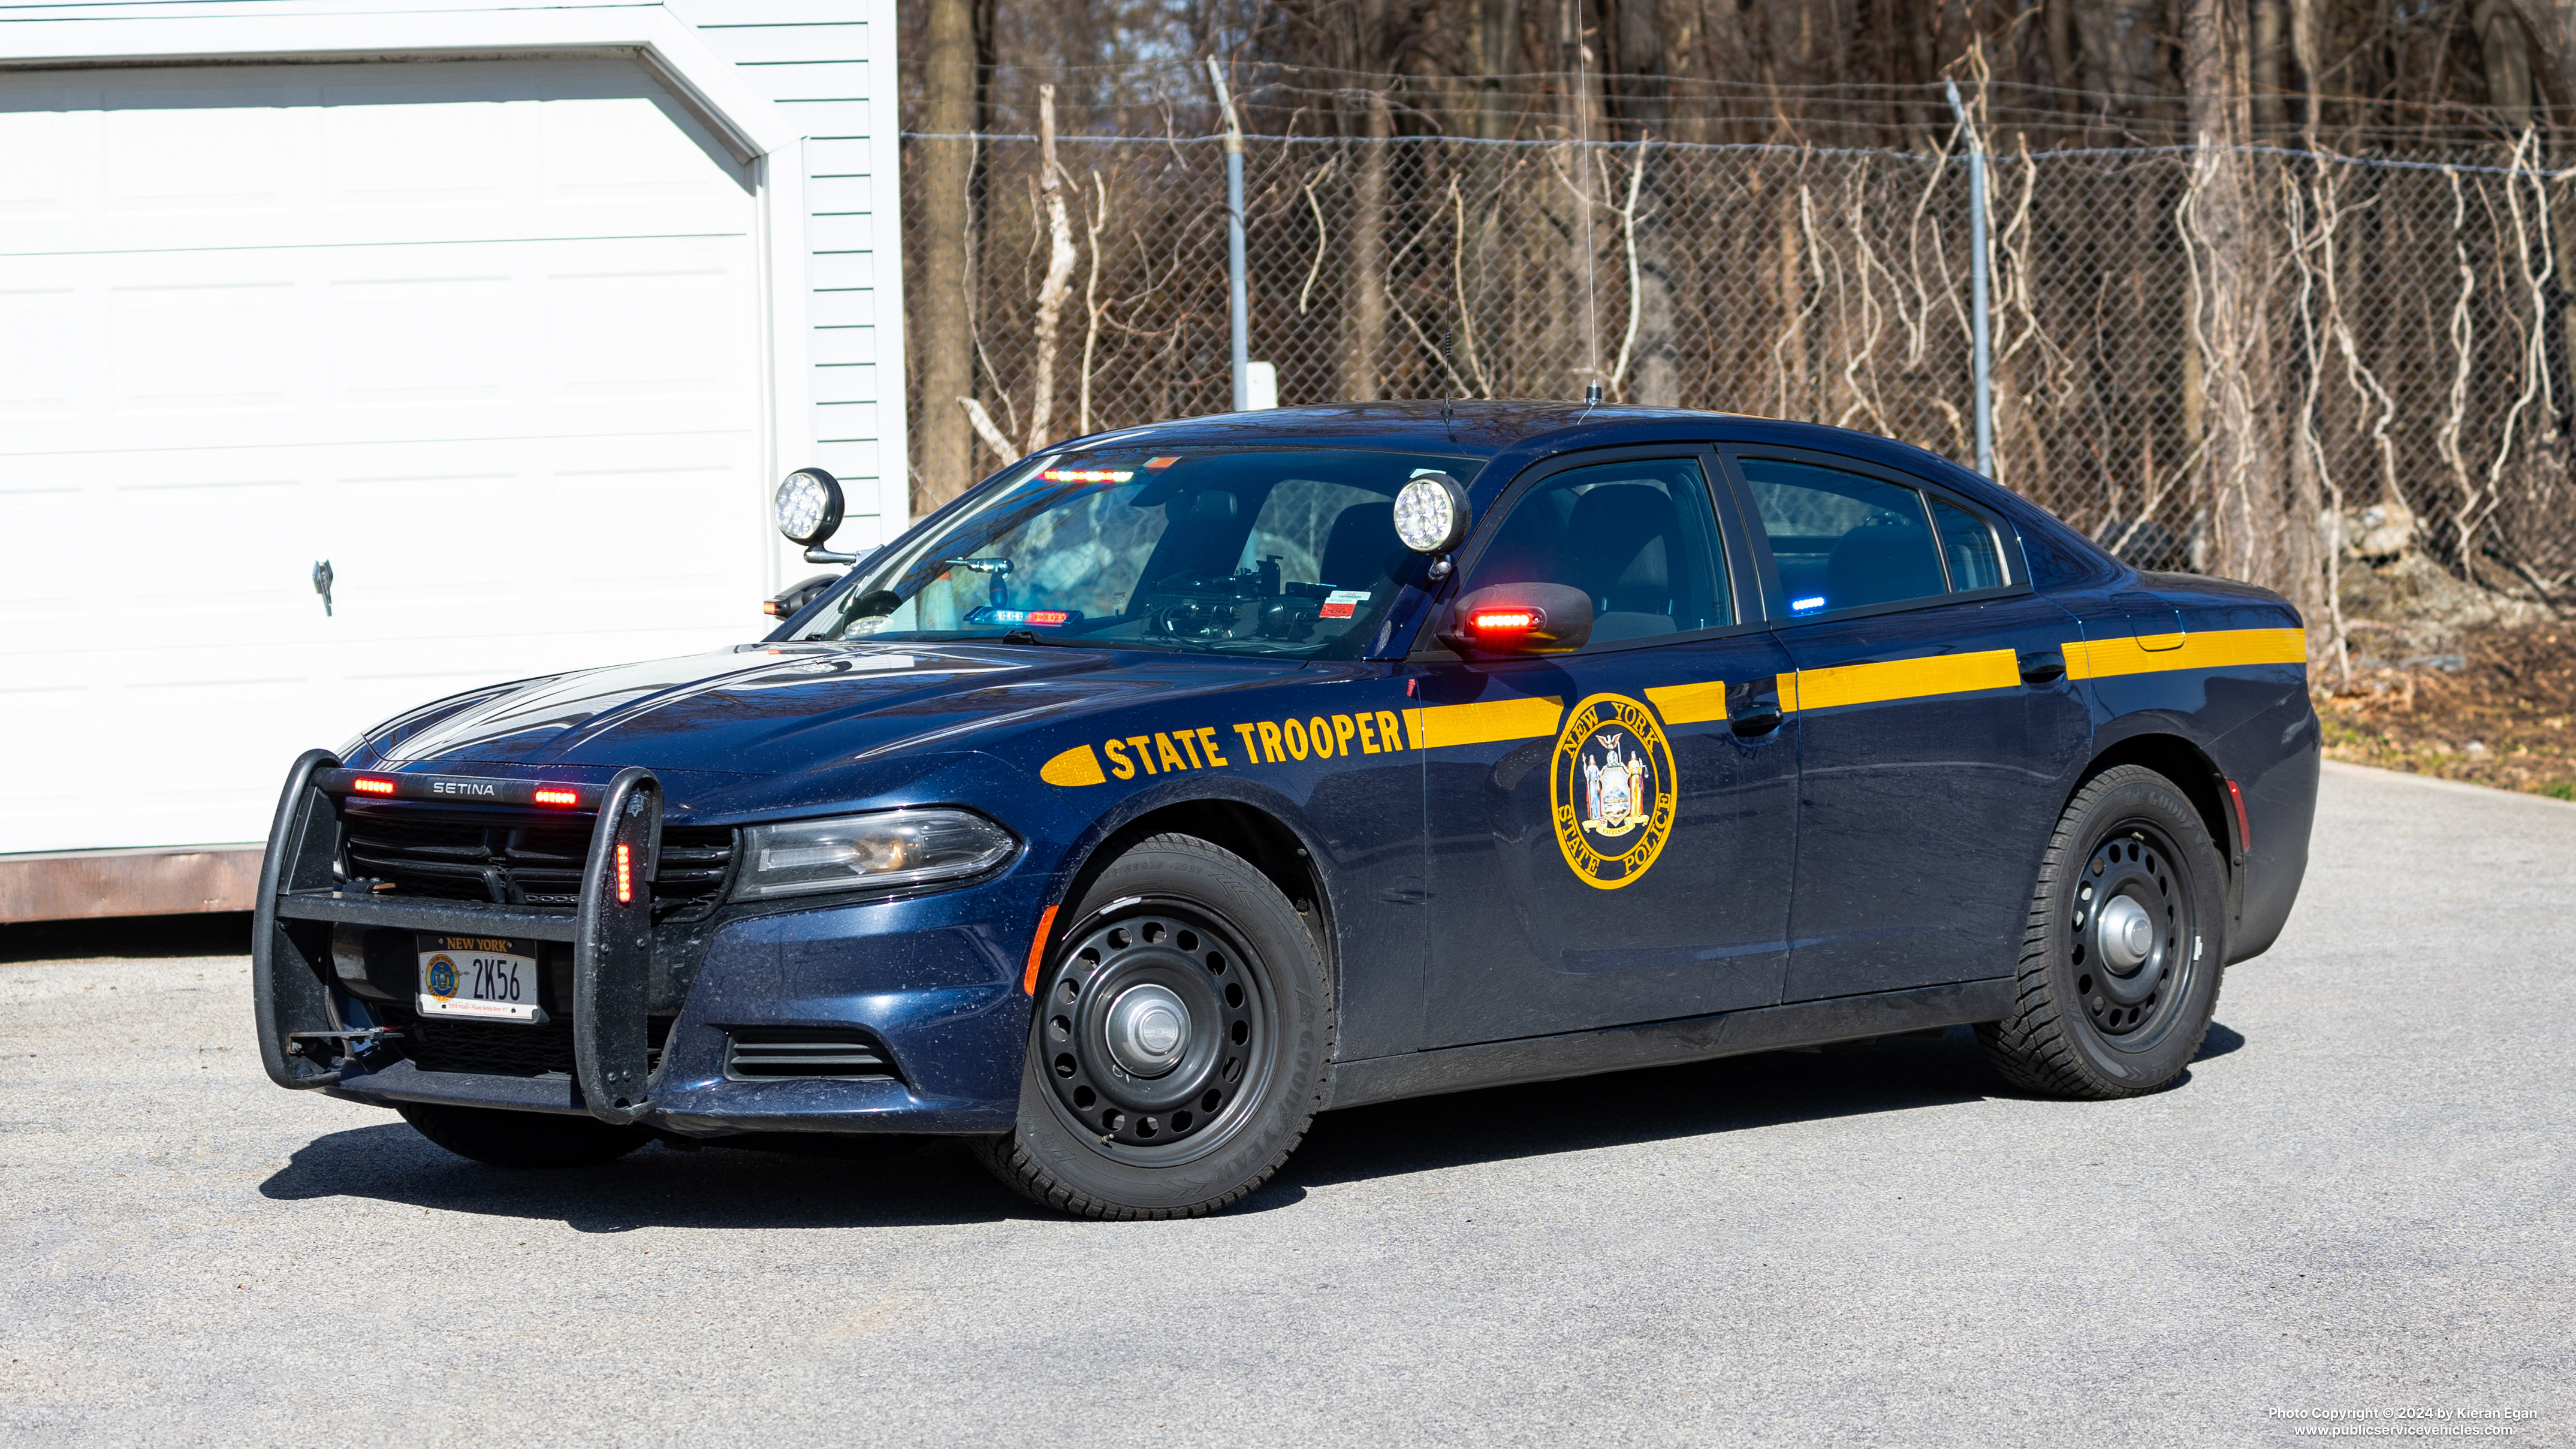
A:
(789, 1181)
(1697, 1099)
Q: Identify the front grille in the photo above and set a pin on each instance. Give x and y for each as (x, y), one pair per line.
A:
(519, 860)
(765, 1054)
(499, 1049)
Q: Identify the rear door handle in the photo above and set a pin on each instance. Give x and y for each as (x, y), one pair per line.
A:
(2045, 666)
(1755, 719)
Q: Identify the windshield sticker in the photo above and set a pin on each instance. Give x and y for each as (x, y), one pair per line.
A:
(1342, 603)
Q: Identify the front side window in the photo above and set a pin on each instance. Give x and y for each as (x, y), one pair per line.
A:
(1844, 540)
(1639, 538)
(1282, 551)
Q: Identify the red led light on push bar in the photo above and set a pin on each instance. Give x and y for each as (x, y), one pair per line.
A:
(370, 785)
(625, 876)
(557, 795)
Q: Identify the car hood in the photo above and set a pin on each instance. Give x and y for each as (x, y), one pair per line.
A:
(774, 708)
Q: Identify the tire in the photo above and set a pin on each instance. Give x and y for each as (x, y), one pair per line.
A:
(2088, 1021)
(522, 1139)
(1131, 1109)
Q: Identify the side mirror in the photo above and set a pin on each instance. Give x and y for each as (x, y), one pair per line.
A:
(1431, 513)
(807, 508)
(791, 603)
(1521, 619)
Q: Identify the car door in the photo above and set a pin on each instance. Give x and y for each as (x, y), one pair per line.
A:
(1938, 732)
(1609, 831)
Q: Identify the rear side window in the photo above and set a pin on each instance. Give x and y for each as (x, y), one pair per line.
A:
(1845, 540)
(1968, 547)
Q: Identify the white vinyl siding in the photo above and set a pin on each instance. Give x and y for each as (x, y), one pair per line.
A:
(519, 345)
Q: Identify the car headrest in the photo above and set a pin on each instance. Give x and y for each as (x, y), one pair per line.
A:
(1362, 551)
(1881, 564)
(1622, 537)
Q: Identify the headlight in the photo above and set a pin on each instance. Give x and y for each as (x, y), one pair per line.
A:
(884, 848)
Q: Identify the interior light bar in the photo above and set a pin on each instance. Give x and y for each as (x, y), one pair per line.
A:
(1087, 475)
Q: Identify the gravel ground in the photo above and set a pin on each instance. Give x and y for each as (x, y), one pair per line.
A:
(2361, 1200)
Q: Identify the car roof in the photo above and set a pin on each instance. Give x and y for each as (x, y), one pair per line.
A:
(1531, 429)
(1483, 427)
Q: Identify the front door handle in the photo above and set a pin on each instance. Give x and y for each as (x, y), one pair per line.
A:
(1760, 718)
(2044, 666)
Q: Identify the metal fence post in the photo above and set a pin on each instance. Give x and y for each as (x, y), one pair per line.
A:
(1234, 240)
(1981, 347)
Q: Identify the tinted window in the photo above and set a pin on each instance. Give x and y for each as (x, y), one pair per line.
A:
(1841, 540)
(1640, 538)
(1968, 547)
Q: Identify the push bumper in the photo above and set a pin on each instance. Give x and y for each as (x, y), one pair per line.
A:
(935, 979)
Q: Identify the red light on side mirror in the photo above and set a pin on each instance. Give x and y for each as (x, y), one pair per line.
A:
(370, 785)
(1506, 621)
(552, 795)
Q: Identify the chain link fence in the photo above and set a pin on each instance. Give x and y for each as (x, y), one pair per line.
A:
(2405, 337)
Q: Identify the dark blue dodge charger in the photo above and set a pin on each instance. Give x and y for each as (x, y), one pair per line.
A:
(1177, 784)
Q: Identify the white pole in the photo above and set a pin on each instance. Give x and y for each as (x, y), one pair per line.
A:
(1981, 346)
(1234, 241)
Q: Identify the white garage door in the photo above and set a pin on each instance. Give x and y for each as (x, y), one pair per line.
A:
(485, 336)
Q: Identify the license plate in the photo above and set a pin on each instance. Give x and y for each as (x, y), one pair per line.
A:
(483, 977)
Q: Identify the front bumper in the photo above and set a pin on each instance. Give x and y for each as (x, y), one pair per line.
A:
(934, 978)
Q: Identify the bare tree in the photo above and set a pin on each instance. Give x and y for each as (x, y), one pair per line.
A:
(941, 297)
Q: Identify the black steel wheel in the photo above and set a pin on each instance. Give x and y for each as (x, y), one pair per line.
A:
(1157, 1032)
(1177, 1053)
(2120, 964)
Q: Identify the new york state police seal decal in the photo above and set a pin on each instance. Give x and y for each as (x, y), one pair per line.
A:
(1610, 790)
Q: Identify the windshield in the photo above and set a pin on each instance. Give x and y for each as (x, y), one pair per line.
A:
(1281, 551)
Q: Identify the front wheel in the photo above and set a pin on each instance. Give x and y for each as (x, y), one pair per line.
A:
(1178, 1047)
(2120, 963)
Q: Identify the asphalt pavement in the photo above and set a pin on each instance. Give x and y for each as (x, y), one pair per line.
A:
(2360, 1202)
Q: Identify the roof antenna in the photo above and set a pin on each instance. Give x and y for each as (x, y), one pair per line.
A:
(1446, 374)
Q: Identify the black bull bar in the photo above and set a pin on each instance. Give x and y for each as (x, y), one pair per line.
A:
(611, 930)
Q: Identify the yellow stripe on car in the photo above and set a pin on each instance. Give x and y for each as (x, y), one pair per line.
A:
(1899, 679)
(2218, 649)
(1682, 704)
(1484, 722)
(1076, 766)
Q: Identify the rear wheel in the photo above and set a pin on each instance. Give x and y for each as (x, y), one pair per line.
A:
(1177, 1053)
(522, 1139)
(2120, 964)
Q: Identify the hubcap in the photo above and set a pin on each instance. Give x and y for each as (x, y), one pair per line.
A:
(2127, 934)
(2134, 936)
(1147, 1028)
(1157, 1032)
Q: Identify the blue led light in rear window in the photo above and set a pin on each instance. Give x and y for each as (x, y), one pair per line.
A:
(1800, 606)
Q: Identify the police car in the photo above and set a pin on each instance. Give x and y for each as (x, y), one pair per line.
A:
(1178, 784)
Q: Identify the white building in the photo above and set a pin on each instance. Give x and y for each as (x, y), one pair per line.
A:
(512, 314)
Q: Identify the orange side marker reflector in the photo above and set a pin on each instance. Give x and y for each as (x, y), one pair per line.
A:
(625, 876)
(2244, 832)
(369, 785)
(1037, 952)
